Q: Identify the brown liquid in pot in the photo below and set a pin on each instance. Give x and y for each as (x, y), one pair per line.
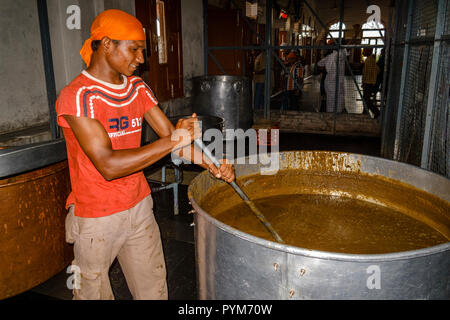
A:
(337, 212)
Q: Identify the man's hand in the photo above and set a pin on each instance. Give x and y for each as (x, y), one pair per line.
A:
(191, 125)
(225, 172)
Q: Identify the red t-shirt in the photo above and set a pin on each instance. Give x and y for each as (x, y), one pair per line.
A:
(120, 109)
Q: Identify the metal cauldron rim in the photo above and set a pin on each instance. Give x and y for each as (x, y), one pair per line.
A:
(219, 78)
(182, 116)
(326, 255)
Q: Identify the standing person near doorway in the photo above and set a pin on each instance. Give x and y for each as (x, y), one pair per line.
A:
(323, 74)
(369, 80)
(329, 62)
(110, 207)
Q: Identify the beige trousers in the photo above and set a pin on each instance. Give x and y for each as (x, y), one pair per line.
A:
(133, 237)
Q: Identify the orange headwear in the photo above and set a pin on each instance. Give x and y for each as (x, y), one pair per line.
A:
(291, 55)
(114, 24)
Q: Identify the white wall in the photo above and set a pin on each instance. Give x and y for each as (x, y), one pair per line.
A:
(24, 97)
(192, 38)
(66, 44)
(22, 88)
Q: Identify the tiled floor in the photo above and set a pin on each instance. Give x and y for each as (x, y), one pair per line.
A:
(177, 232)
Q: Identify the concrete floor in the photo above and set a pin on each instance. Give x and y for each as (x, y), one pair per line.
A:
(177, 232)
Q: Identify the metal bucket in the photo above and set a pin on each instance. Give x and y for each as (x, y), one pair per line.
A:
(32, 236)
(232, 264)
(227, 97)
(208, 122)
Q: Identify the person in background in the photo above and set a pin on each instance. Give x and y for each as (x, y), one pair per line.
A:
(355, 54)
(259, 72)
(284, 52)
(329, 63)
(323, 74)
(290, 89)
(369, 80)
(110, 207)
(302, 73)
(380, 63)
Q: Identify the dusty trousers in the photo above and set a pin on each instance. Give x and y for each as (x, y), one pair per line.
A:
(133, 237)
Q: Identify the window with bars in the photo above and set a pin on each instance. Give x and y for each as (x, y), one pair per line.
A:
(305, 31)
(335, 34)
(373, 34)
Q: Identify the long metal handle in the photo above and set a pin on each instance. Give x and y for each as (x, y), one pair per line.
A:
(199, 144)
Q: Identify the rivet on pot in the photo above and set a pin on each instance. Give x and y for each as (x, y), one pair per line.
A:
(291, 293)
(275, 266)
(302, 272)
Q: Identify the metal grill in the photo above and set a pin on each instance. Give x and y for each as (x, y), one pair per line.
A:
(395, 76)
(413, 116)
(447, 19)
(415, 104)
(390, 119)
(419, 88)
(424, 19)
(402, 19)
(353, 101)
(440, 149)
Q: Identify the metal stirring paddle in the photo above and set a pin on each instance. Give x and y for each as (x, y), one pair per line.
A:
(199, 144)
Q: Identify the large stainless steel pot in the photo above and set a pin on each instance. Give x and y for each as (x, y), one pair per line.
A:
(208, 122)
(227, 97)
(235, 265)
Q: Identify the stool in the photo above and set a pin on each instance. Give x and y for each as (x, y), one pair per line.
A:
(173, 185)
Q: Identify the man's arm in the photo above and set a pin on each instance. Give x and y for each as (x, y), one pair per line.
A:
(159, 122)
(164, 128)
(113, 164)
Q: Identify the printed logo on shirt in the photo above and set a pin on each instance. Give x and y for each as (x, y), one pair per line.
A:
(121, 124)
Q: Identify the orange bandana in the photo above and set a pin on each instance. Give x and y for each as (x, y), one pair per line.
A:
(114, 24)
(292, 55)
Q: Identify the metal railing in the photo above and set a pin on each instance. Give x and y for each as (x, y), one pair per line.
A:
(271, 51)
(419, 134)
